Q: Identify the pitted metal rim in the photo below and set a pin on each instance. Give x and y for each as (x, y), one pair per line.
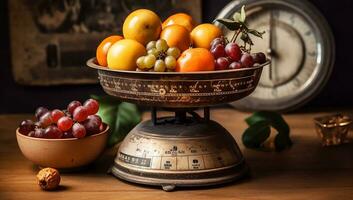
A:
(91, 63)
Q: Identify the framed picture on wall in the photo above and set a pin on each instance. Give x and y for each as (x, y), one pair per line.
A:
(52, 39)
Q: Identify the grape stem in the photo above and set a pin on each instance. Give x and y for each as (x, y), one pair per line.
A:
(236, 34)
(238, 25)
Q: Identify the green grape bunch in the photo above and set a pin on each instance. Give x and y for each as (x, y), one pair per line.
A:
(160, 57)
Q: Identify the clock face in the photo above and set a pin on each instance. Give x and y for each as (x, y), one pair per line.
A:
(299, 44)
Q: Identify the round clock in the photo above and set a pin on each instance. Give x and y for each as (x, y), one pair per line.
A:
(300, 45)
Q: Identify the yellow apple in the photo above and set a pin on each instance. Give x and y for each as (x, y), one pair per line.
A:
(142, 25)
(122, 55)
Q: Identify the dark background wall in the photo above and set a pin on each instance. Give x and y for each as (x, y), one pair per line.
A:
(15, 98)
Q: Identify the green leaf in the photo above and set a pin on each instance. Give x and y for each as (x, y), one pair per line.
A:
(242, 14)
(108, 108)
(256, 134)
(236, 17)
(230, 24)
(255, 118)
(239, 25)
(128, 116)
(120, 116)
(282, 141)
(256, 33)
(262, 119)
(275, 119)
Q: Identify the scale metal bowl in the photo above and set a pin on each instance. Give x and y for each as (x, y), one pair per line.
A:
(178, 90)
(185, 150)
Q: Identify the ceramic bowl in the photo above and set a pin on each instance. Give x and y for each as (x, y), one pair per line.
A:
(62, 153)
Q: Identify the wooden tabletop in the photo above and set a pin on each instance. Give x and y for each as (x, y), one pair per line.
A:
(305, 171)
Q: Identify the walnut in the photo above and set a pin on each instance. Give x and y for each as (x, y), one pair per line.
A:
(48, 178)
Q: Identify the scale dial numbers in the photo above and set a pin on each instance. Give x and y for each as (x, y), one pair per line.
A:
(188, 154)
(300, 45)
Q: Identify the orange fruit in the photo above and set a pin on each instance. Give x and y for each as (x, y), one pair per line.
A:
(103, 47)
(203, 34)
(182, 19)
(123, 54)
(196, 59)
(142, 25)
(176, 36)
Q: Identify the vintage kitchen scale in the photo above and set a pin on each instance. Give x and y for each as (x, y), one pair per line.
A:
(190, 150)
(186, 149)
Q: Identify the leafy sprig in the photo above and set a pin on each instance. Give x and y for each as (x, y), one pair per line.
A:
(240, 28)
(259, 130)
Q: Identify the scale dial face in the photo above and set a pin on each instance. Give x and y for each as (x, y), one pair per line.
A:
(300, 45)
(176, 148)
(169, 154)
(163, 155)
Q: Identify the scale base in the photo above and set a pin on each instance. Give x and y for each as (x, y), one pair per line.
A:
(183, 180)
(171, 154)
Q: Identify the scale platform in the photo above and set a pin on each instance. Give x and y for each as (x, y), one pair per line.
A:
(185, 149)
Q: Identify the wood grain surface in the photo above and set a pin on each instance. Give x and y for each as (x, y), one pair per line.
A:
(305, 171)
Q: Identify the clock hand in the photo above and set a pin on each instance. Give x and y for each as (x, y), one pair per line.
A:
(270, 51)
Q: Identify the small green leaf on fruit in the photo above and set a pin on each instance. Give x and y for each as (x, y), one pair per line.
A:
(242, 14)
(230, 24)
(239, 26)
(256, 33)
(236, 17)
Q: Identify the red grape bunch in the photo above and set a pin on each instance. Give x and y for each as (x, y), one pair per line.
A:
(230, 56)
(77, 121)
